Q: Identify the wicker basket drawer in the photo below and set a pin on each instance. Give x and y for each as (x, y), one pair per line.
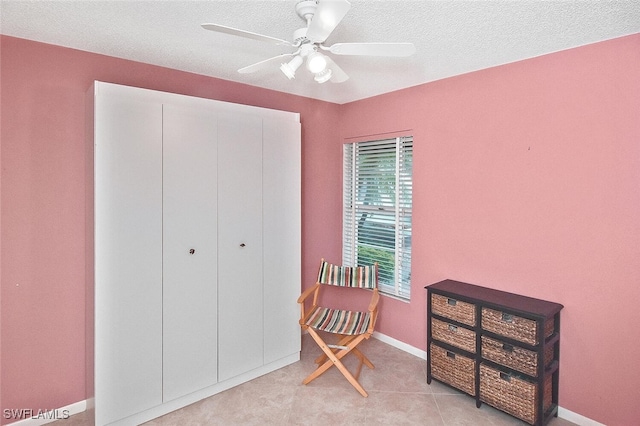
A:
(451, 308)
(520, 359)
(454, 369)
(511, 394)
(515, 327)
(453, 335)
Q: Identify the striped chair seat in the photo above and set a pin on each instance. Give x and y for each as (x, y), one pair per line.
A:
(339, 321)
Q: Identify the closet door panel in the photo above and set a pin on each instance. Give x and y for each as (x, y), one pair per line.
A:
(282, 228)
(128, 257)
(240, 311)
(189, 250)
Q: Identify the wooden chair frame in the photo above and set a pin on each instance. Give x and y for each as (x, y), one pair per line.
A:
(346, 343)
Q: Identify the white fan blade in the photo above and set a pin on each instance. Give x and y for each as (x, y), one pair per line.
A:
(327, 16)
(243, 33)
(337, 74)
(373, 49)
(263, 64)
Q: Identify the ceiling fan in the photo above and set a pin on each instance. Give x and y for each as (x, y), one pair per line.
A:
(322, 17)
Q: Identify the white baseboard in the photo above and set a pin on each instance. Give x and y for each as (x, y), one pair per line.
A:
(400, 345)
(576, 418)
(42, 417)
(563, 413)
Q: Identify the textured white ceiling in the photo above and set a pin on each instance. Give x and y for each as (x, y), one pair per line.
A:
(451, 37)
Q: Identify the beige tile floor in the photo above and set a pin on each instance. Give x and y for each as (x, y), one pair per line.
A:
(397, 387)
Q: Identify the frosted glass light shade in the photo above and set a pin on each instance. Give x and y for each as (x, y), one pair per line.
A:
(316, 62)
(323, 76)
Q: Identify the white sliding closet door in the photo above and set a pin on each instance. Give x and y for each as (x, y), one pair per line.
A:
(193, 248)
(128, 257)
(240, 297)
(189, 250)
(282, 228)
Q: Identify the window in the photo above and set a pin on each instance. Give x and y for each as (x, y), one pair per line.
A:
(377, 210)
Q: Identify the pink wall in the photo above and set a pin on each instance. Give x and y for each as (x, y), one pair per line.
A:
(527, 179)
(1, 399)
(43, 197)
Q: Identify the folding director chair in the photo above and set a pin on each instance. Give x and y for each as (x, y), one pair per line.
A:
(350, 327)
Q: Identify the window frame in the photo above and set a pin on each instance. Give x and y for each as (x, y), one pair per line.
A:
(358, 179)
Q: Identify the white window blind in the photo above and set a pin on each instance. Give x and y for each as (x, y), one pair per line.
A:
(378, 189)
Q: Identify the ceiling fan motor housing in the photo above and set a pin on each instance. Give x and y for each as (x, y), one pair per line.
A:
(299, 36)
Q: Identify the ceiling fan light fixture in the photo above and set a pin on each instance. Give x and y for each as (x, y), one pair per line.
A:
(289, 69)
(316, 62)
(322, 17)
(323, 76)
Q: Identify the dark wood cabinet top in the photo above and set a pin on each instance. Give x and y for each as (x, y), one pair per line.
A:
(516, 303)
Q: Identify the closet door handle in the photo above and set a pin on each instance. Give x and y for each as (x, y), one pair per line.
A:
(192, 251)
(242, 244)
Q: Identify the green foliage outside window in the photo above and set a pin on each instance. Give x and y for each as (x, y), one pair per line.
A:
(385, 259)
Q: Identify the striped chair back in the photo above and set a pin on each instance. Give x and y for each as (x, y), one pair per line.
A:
(348, 276)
